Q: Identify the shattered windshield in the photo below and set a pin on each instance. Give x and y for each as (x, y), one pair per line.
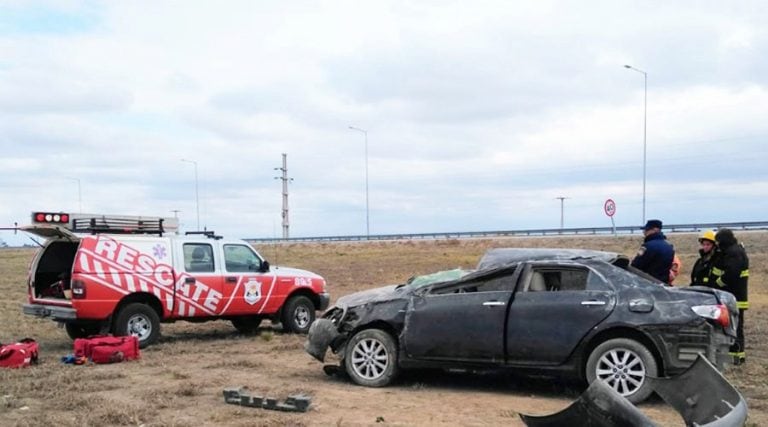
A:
(439, 277)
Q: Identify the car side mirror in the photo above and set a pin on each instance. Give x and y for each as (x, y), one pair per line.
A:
(264, 267)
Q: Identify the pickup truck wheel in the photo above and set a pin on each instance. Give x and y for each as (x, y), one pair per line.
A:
(623, 364)
(370, 358)
(140, 320)
(246, 325)
(298, 314)
(77, 330)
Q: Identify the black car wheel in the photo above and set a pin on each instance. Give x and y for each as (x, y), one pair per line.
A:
(370, 358)
(298, 314)
(623, 364)
(140, 320)
(246, 325)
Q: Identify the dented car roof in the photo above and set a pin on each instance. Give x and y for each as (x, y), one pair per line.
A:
(495, 258)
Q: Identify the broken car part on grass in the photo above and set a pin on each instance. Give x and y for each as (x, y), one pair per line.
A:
(701, 395)
(241, 396)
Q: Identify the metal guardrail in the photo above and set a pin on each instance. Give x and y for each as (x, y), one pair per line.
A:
(673, 228)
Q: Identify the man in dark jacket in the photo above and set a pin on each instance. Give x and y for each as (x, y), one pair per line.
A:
(656, 254)
(730, 272)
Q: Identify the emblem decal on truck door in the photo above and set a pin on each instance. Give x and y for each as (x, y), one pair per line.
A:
(252, 291)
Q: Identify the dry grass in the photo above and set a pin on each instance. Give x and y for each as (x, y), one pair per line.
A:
(179, 382)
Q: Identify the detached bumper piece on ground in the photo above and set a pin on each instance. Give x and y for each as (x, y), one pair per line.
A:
(701, 395)
(242, 397)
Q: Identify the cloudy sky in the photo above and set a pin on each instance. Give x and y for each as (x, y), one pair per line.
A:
(479, 114)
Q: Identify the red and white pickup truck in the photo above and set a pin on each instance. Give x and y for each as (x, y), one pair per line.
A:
(126, 275)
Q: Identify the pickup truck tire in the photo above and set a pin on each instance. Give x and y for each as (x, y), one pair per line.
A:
(297, 315)
(140, 320)
(77, 330)
(623, 364)
(246, 325)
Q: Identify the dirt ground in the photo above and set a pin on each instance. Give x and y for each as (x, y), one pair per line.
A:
(179, 381)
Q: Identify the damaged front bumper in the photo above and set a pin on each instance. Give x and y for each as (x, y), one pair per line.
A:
(322, 334)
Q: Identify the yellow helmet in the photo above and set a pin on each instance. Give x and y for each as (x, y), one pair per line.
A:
(707, 235)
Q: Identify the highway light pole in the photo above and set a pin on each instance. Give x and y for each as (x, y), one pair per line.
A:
(367, 211)
(197, 193)
(562, 210)
(645, 126)
(286, 180)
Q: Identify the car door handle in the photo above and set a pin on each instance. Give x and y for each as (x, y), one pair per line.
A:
(231, 279)
(190, 280)
(494, 303)
(593, 302)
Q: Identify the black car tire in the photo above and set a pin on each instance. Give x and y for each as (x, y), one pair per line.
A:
(77, 330)
(623, 364)
(140, 320)
(298, 315)
(370, 358)
(246, 325)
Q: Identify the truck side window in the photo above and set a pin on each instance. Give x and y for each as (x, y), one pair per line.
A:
(240, 259)
(198, 258)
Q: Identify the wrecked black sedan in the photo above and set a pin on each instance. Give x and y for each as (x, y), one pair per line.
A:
(576, 313)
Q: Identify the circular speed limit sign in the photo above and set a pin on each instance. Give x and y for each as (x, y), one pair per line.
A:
(610, 207)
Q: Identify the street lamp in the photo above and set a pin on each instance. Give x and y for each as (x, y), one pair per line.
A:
(562, 210)
(367, 211)
(645, 125)
(79, 194)
(197, 193)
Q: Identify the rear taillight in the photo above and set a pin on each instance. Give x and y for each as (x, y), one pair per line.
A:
(78, 289)
(719, 313)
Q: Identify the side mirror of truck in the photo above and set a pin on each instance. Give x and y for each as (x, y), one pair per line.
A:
(264, 267)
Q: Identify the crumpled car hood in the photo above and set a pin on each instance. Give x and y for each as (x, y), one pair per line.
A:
(385, 293)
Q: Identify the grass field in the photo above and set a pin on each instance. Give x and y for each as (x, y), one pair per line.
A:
(179, 381)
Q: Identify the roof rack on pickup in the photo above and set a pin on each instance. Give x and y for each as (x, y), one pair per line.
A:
(208, 234)
(113, 224)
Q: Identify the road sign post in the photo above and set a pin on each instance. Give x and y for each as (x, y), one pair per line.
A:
(610, 209)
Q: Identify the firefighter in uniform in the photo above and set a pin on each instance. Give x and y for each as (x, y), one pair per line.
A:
(655, 256)
(702, 269)
(730, 272)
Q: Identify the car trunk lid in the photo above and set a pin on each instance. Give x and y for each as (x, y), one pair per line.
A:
(720, 297)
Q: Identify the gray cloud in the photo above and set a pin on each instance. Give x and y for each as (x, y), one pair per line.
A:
(478, 115)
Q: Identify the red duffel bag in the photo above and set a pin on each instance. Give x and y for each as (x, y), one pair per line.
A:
(18, 355)
(107, 349)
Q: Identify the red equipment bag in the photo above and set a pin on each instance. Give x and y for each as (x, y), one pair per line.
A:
(18, 355)
(107, 349)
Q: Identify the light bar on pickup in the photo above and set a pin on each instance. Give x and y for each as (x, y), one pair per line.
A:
(50, 218)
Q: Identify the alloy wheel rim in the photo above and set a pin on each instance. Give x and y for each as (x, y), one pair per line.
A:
(370, 359)
(139, 326)
(622, 369)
